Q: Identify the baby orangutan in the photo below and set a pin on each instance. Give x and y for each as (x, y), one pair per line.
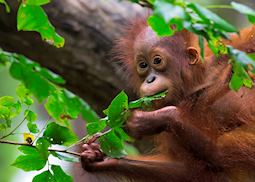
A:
(204, 130)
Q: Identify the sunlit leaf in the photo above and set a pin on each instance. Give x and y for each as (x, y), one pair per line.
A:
(95, 127)
(112, 145)
(60, 175)
(116, 109)
(168, 11)
(24, 94)
(63, 105)
(42, 146)
(36, 2)
(45, 176)
(31, 161)
(159, 26)
(65, 157)
(211, 18)
(33, 18)
(146, 101)
(57, 134)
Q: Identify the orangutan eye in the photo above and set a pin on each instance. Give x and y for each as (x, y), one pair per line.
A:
(143, 64)
(157, 60)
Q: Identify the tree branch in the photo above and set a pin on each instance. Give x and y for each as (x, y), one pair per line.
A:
(50, 149)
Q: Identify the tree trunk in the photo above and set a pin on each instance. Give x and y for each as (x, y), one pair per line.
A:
(89, 28)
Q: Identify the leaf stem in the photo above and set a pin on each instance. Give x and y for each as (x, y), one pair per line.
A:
(14, 129)
(89, 139)
(50, 149)
(37, 136)
(219, 6)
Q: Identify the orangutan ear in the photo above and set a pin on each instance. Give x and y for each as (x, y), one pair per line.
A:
(194, 57)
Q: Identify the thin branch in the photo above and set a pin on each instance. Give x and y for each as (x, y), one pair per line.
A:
(41, 130)
(220, 6)
(14, 129)
(89, 139)
(50, 149)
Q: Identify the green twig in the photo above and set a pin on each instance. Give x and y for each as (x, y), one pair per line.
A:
(14, 129)
(219, 6)
(49, 149)
(37, 136)
(89, 139)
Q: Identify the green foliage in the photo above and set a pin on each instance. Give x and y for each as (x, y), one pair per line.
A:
(32, 160)
(31, 117)
(31, 17)
(9, 108)
(64, 157)
(59, 175)
(116, 110)
(55, 175)
(57, 134)
(44, 176)
(112, 145)
(240, 62)
(145, 102)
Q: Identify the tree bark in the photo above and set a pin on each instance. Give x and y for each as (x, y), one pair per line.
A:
(89, 28)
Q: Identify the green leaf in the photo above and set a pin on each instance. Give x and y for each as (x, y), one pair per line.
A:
(24, 94)
(60, 175)
(7, 7)
(202, 48)
(33, 18)
(168, 11)
(122, 134)
(42, 146)
(45, 176)
(146, 101)
(240, 62)
(63, 105)
(211, 18)
(57, 134)
(36, 2)
(241, 57)
(116, 109)
(159, 26)
(32, 128)
(236, 82)
(31, 161)
(49, 75)
(30, 115)
(112, 145)
(65, 157)
(10, 107)
(244, 10)
(95, 127)
(28, 150)
(25, 70)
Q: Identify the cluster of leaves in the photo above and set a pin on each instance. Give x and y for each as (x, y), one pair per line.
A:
(207, 25)
(113, 140)
(31, 17)
(62, 106)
